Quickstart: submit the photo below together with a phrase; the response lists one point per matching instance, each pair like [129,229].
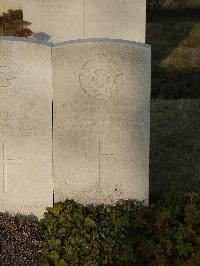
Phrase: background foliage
[12,23]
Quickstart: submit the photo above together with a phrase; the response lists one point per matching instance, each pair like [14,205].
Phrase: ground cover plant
[124,234]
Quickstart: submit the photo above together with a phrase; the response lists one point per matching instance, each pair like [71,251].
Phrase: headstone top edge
[25,40]
[79,41]
[102,40]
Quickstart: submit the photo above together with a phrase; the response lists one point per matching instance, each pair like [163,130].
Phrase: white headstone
[26,184]
[66,20]
[60,19]
[101,121]
[116,19]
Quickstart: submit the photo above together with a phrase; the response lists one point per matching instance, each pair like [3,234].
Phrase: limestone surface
[64,20]
[101,95]
[26,184]
[101,121]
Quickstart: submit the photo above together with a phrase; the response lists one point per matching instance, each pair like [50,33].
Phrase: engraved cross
[101,156]
[5,161]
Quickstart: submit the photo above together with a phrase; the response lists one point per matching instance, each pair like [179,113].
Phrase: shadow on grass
[175,84]
[175,148]
[175,14]
[167,31]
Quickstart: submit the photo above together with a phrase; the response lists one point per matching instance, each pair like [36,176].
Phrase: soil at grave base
[21,241]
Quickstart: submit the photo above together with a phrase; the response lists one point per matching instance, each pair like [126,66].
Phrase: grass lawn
[175,148]
[175,40]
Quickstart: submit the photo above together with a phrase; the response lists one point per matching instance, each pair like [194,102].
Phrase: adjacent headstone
[66,20]
[115,19]
[26,184]
[5,5]
[101,121]
[60,19]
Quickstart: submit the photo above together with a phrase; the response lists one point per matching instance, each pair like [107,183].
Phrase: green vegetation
[124,234]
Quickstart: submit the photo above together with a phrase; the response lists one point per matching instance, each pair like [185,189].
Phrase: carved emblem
[98,77]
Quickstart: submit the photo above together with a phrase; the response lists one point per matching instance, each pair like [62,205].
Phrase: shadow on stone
[41,36]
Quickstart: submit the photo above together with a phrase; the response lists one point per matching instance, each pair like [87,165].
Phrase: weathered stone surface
[25,127]
[101,121]
[116,19]
[60,19]
[66,20]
